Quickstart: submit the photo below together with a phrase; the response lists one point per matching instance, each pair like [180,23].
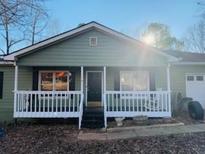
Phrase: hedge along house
[92,64]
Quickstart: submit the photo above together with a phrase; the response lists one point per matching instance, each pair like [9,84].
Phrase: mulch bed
[186,119]
[63,139]
[150,121]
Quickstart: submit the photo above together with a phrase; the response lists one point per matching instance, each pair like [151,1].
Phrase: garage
[195,87]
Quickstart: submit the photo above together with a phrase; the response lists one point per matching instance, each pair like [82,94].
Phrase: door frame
[86,86]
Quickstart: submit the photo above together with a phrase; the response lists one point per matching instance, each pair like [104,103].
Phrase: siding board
[76,51]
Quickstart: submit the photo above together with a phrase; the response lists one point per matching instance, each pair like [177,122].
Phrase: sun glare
[149,39]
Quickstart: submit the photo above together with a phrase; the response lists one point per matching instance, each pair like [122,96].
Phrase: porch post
[81,101]
[169,89]
[104,96]
[15,87]
[81,81]
[168,78]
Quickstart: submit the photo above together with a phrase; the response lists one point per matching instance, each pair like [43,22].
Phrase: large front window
[134,80]
[57,80]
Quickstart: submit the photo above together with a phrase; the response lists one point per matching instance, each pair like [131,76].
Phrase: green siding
[25,78]
[178,82]
[6,103]
[109,51]
[160,78]
[24,83]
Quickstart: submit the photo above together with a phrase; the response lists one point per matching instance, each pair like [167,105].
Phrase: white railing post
[169,89]
[104,96]
[15,87]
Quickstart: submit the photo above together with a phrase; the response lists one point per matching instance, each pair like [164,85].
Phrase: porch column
[104,96]
[104,78]
[169,89]
[81,104]
[15,87]
[81,81]
[168,78]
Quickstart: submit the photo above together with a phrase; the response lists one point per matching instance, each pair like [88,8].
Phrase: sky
[127,16]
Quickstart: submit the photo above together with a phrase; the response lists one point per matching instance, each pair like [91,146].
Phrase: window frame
[93,45]
[53,77]
[131,71]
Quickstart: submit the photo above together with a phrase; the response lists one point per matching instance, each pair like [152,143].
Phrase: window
[93,41]
[190,78]
[1,84]
[199,78]
[57,80]
[134,80]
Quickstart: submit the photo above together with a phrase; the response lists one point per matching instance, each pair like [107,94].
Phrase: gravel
[63,139]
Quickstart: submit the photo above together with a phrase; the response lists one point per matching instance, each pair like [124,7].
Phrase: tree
[14,20]
[195,37]
[38,23]
[54,28]
[158,35]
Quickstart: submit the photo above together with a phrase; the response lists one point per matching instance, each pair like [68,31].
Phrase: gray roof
[187,56]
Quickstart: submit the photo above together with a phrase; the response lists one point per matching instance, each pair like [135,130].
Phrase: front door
[94,86]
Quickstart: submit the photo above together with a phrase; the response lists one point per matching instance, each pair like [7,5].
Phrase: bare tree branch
[16,16]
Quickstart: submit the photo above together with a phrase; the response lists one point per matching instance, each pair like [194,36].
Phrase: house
[94,65]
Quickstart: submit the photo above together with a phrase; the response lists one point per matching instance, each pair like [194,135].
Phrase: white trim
[188,63]
[148,82]
[81,78]
[86,86]
[168,78]
[54,78]
[6,63]
[16,78]
[15,87]
[104,96]
[80,29]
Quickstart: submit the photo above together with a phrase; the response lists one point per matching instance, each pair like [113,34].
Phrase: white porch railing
[48,104]
[131,104]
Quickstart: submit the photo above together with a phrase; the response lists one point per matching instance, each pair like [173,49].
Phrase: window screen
[134,80]
[93,41]
[58,80]
[199,78]
[190,78]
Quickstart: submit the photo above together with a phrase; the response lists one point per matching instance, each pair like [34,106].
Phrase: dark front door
[94,86]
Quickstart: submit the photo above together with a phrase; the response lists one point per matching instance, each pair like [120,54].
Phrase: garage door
[195,88]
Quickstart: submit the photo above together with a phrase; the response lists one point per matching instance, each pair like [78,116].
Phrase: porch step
[93,117]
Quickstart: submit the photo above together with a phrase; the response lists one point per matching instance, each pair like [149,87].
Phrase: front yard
[63,139]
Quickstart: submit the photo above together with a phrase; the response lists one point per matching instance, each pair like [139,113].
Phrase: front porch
[115,101]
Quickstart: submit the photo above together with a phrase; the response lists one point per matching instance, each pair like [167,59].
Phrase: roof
[6,62]
[78,30]
[187,57]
